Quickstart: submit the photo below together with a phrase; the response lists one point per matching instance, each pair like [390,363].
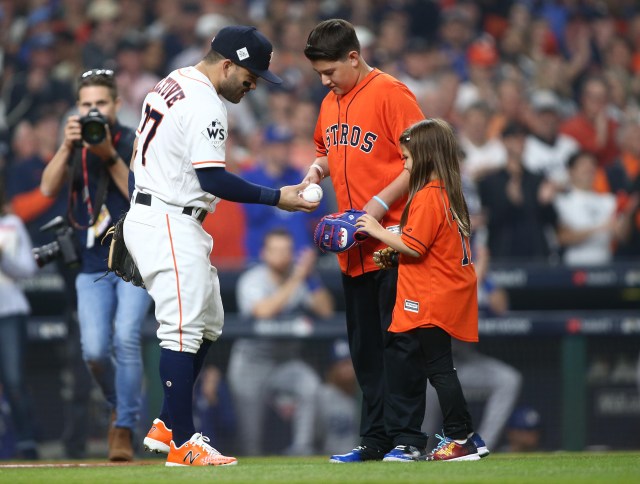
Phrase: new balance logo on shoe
[191,457]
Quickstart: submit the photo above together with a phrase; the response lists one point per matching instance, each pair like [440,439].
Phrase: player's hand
[367,223]
[292,202]
[72,132]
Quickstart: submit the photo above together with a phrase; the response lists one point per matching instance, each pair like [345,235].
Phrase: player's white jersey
[183,128]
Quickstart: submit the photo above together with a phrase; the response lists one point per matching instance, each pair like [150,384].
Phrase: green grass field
[612,467]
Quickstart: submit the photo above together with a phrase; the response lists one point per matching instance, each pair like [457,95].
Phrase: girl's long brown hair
[434,149]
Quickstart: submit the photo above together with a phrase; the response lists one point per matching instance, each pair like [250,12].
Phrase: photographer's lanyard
[101,191]
[86,197]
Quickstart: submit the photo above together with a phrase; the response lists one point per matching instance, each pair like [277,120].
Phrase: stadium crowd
[544,97]
[565,75]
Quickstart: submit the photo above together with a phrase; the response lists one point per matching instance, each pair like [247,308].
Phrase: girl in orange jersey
[436,298]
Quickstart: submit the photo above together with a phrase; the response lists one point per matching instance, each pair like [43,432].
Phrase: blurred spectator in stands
[69,54]
[133,16]
[511,107]
[483,62]
[391,40]
[23,182]
[622,104]
[337,414]
[541,40]
[633,34]
[482,155]
[273,168]
[588,222]
[552,74]
[524,430]
[546,150]
[439,101]
[303,124]
[34,90]
[456,33]
[16,264]
[206,29]
[100,48]
[214,414]
[132,80]
[618,177]
[592,127]
[518,204]
[279,295]
[603,30]
[180,33]
[418,65]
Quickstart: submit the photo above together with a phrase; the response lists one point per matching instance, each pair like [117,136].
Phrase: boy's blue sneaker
[359,454]
[405,453]
[483,451]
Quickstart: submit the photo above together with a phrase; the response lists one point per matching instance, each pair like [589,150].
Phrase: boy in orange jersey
[356,134]
[436,298]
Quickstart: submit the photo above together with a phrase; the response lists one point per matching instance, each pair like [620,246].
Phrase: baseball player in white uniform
[180,175]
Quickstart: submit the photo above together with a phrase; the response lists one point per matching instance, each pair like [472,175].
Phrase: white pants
[172,251]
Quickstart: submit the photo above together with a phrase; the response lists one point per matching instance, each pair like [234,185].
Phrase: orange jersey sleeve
[30,205]
[439,288]
[358,132]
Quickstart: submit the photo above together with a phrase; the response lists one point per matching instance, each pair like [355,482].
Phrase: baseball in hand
[312,193]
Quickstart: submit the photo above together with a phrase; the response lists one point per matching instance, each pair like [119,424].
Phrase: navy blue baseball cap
[245,46]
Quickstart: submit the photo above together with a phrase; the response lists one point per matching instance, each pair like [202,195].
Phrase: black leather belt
[145,199]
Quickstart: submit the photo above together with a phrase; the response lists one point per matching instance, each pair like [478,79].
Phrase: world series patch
[215,133]
[411,306]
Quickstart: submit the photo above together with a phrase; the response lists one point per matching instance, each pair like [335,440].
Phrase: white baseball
[312,193]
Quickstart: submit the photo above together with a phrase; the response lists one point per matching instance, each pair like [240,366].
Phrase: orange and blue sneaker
[197,452]
[449,450]
[483,450]
[158,438]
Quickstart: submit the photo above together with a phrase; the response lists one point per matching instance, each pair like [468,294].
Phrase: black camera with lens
[93,127]
[64,245]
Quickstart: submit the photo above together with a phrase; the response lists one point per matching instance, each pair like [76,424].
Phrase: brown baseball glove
[120,261]
[386,258]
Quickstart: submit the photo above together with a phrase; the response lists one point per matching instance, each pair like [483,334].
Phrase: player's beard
[233,90]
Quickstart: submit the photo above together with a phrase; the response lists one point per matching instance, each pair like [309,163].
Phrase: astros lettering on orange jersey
[349,135]
[358,132]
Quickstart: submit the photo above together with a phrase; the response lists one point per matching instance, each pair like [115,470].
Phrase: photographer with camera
[93,159]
